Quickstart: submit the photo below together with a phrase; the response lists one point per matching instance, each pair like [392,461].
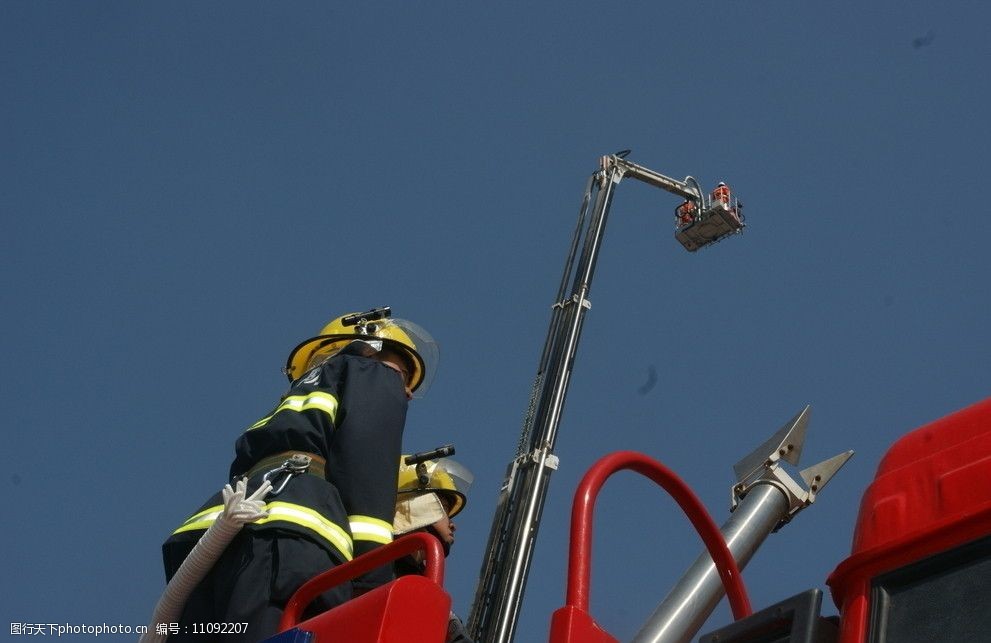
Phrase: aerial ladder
[701,220]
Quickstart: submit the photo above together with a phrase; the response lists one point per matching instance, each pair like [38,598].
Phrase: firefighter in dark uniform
[429,495]
[329,448]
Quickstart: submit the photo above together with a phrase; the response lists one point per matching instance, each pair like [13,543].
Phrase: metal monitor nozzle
[367,316]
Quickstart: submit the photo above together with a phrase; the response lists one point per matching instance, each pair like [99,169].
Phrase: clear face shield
[426,348]
[459,475]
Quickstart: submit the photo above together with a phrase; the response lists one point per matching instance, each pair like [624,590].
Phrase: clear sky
[189,189]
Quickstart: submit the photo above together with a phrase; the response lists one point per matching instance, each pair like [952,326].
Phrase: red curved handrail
[419,541]
[580,550]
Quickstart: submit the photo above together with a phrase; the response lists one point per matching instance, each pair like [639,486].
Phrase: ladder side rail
[508,499]
[500,592]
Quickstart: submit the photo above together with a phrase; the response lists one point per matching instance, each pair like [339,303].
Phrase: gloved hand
[239,509]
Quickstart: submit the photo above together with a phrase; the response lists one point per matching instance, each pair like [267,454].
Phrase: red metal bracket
[419,541]
[580,549]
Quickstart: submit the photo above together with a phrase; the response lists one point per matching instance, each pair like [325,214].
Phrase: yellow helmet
[444,477]
[376,328]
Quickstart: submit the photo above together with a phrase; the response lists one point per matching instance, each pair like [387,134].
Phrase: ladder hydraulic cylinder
[685,609]
[765,498]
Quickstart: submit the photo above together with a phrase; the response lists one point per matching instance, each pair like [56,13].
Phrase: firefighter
[329,449]
[430,495]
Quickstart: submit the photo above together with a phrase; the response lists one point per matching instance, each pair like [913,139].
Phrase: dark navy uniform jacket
[350,411]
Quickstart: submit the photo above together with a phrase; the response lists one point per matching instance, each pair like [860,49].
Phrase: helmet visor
[420,348]
[459,475]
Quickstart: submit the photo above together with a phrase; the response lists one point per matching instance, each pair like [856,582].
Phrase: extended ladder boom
[687,189]
[502,579]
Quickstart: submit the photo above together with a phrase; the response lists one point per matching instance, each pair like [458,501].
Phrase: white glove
[239,509]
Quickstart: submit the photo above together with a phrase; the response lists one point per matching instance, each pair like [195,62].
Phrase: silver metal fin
[818,475]
[785,445]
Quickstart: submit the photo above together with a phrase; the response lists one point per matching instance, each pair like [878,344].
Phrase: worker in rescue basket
[430,494]
[329,449]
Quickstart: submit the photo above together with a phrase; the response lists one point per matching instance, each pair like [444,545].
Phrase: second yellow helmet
[444,477]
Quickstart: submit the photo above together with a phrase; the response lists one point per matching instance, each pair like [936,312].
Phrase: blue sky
[188,190]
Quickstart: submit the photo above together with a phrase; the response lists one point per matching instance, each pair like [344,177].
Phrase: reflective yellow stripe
[202,520]
[287,512]
[306,517]
[373,529]
[298,403]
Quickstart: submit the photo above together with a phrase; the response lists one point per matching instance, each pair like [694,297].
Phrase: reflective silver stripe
[287,512]
[317,400]
[371,529]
